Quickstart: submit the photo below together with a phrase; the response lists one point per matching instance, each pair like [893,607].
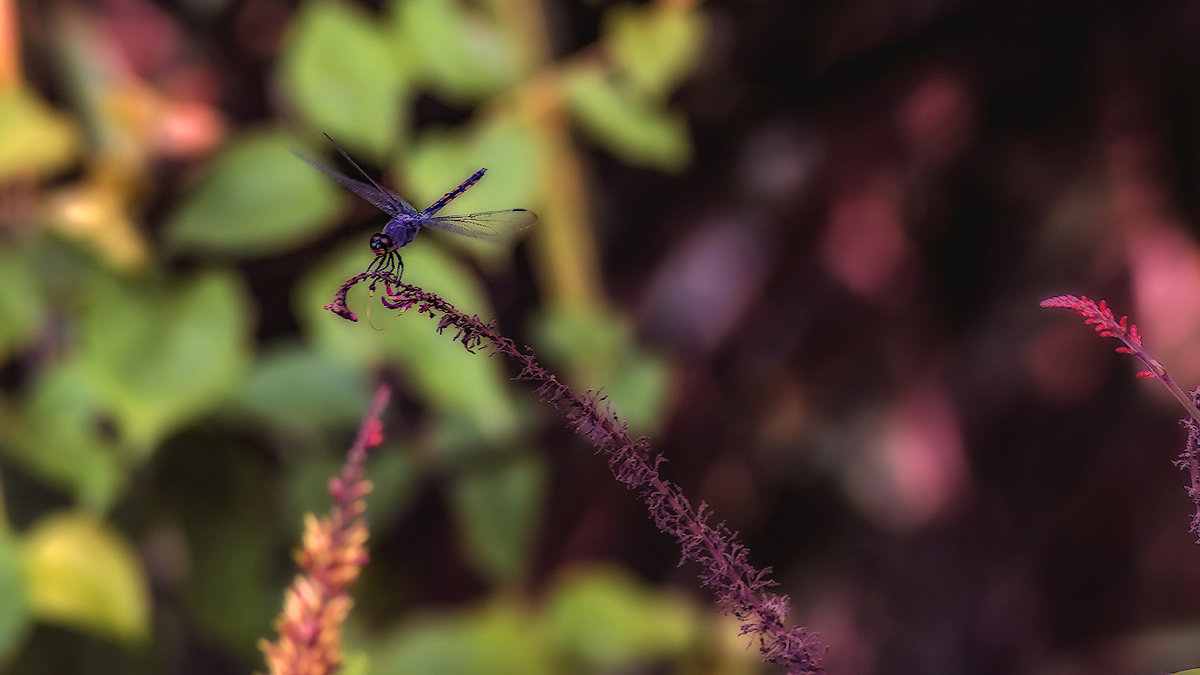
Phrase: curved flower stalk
[1100,317]
[331,557]
[740,587]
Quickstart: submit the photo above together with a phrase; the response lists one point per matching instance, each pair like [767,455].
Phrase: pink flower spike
[1100,317]
[374,434]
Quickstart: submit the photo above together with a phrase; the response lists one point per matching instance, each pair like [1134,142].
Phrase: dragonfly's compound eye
[381,243]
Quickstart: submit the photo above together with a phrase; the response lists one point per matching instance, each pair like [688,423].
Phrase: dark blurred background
[800,245]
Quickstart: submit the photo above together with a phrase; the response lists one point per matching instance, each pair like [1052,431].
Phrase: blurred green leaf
[496,640]
[627,124]
[230,595]
[82,573]
[496,505]
[65,436]
[160,357]
[294,387]
[355,663]
[342,75]
[21,304]
[606,619]
[34,138]
[658,44]
[14,608]
[462,54]
[258,198]
[602,353]
[440,161]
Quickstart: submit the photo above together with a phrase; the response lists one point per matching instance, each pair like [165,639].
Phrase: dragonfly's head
[382,244]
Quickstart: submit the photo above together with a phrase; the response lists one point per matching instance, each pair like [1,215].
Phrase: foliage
[148,407]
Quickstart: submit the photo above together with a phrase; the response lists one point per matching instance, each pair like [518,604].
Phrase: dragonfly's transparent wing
[483,225]
[385,200]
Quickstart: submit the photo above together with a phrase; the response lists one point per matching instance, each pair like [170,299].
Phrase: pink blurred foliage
[918,469]
[936,120]
[864,245]
[1164,266]
[1161,255]
[159,79]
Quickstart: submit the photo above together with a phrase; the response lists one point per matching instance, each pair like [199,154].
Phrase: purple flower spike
[740,587]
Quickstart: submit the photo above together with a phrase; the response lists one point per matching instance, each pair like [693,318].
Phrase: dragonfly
[405,221]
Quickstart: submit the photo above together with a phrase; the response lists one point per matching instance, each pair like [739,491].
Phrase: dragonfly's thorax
[400,231]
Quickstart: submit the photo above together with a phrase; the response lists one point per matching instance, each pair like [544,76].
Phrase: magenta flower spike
[1101,318]
[740,587]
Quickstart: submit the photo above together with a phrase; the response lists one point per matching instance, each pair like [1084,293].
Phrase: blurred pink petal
[864,244]
[936,121]
[918,469]
[1164,267]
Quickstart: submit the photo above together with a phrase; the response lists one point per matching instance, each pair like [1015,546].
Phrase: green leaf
[64,436]
[34,138]
[84,574]
[600,352]
[496,506]
[232,592]
[294,387]
[606,619]
[21,305]
[161,357]
[342,75]
[258,199]
[657,44]
[461,54]
[619,118]
[14,609]
[496,640]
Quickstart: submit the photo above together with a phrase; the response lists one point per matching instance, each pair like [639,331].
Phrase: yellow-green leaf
[626,122]
[84,574]
[34,138]
[608,619]
[658,44]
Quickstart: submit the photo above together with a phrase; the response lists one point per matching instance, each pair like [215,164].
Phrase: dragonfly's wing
[483,225]
[383,199]
[408,208]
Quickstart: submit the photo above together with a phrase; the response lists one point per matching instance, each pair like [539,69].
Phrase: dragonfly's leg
[400,261]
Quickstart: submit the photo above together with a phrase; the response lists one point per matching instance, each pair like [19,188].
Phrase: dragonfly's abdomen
[437,206]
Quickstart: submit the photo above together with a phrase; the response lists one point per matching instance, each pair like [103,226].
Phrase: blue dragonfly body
[405,221]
